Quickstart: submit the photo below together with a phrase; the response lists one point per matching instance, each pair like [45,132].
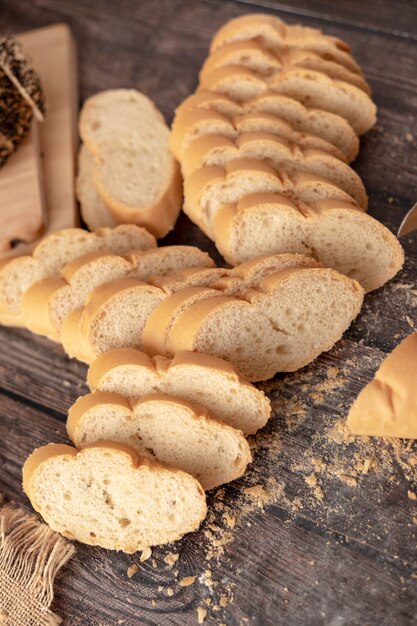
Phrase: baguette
[106,495]
[200,378]
[164,429]
[387,407]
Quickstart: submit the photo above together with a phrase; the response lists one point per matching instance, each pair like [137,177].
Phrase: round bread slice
[333,232]
[107,495]
[56,250]
[134,171]
[199,378]
[164,429]
[291,318]
[275,35]
[277,151]
[333,128]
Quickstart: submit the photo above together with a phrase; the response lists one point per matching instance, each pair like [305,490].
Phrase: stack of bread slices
[264,146]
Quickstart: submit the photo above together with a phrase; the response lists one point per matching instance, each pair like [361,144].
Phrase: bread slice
[46,304]
[209,187]
[252,55]
[333,232]
[280,153]
[52,253]
[107,495]
[206,380]
[164,429]
[309,87]
[134,171]
[291,318]
[93,209]
[275,35]
[387,406]
[331,128]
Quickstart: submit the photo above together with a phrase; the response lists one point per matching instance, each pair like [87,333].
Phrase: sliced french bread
[206,380]
[94,210]
[331,231]
[134,171]
[107,495]
[51,254]
[162,428]
[277,151]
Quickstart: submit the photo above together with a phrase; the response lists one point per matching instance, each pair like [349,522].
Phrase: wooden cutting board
[37,184]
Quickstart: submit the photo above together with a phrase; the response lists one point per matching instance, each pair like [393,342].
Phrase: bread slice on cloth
[332,231]
[278,152]
[134,172]
[94,210]
[199,378]
[55,251]
[284,324]
[275,35]
[164,429]
[46,304]
[106,495]
[387,406]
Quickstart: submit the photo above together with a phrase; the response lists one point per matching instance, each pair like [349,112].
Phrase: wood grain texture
[332,544]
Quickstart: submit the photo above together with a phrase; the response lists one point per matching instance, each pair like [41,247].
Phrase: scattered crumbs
[146,553]
[311,480]
[201,614]
[285,588]
[153,602]
[171,558]
[410,321]
[119,621]
[409,137]
[66,383]
[415,519]
[257,492]
[132,569]
[349,480]
[413,574]
[208,601]
[154,564]
[412,495]
[390,200]
[223,601]
[160,588]
[319,464]
[296,504]
[229,520]
[312,562]
[170,591]
[187,581]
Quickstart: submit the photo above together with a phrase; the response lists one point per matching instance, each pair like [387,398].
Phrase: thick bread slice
[387,406]
[291,318]
[167,260]
[93,209]
[254,56]
[309,87]
[275,35]
[50,256]
[209,187]
[330,127]
[134,171]
[115,314]
[280,153]
[107,495]
[165,429]
[333,232]
[47,303]
[207,380]
[158,326]
[192,126]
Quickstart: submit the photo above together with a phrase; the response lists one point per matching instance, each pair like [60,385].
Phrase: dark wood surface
[327,542]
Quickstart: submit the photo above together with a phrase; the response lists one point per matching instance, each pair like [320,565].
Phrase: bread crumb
[390,200]
[207,601]
[411,495]
[223,601]
[201,614]
[409,137]
[319,464]
[171,558]
[415,519]
[146,553]
[154,564]
[132,569]
[311,480]
[170,591]
[229,520]
[352,482]
[187,581]
[153,602]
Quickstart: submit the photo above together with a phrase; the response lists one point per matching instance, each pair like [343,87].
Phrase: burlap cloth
[31,555]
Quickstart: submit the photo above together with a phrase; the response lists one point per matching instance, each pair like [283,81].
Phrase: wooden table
[330,537]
